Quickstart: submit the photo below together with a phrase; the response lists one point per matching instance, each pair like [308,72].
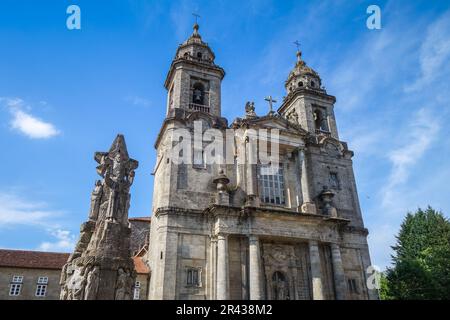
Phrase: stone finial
[221,181]
[196,27]
[326,196]
[222,196]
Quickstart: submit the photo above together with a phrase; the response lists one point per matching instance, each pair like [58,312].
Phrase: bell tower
[193,81]
[307,101]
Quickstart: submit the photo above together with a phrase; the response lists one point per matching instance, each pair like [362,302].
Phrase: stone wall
[30,278]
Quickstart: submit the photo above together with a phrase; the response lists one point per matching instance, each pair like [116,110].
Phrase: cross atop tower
[196,17]
[271,101]
[299,53]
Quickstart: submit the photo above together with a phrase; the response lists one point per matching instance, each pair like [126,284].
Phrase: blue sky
[66,94]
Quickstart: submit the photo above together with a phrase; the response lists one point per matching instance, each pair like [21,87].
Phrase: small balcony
[321,132]
[198,107]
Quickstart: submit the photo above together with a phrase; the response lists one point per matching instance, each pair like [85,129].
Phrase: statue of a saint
[96,198]
[92,281]
[250,110]
[123,285]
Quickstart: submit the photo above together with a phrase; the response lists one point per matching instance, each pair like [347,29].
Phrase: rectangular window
[193,277]
[41,290]
[334,180]
[42,280]
[137,290]
[182,178]
[136,293]
[352,286]
[14,289]
[17,279]
[271,184]
[199,161]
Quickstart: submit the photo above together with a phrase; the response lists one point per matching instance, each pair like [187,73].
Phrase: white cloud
[27,124]
[64,241]
[434,53]
[420,133]
[14,210]
[138,101]
[31,126]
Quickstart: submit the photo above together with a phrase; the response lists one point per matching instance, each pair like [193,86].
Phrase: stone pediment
[270,122]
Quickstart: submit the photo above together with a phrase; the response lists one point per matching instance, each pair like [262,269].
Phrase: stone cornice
[304,91]
[288,213]
[212,67]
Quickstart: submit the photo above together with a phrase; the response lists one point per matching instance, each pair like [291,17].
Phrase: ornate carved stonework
[101,266]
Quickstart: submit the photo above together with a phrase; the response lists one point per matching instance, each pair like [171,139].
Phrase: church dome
[195,49]
[303,77]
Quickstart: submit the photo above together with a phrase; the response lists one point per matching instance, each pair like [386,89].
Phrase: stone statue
[281,290]
[92,282]
[103,249]
[123,285]
[250,110]
[96,198]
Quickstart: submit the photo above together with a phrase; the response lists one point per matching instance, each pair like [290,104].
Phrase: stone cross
[271,102]
[196,17]
[297,44]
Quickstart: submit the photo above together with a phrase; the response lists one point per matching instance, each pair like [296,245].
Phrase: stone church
[238,231]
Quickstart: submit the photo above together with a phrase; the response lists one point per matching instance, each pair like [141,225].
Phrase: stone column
[250,169]
[255,268]
[222,267]
[338,272]
[316,272]
[212,271]
[308,205]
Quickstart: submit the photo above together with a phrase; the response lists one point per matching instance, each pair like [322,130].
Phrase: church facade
[235,230]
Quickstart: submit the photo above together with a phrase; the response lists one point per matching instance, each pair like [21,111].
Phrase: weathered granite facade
[101,267]
[219,232]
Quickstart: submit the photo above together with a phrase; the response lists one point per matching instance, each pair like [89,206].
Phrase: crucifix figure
[271,101]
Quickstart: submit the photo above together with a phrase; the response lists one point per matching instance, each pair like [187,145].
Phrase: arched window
[199,55]
[198,94]
[313,84]
[300,84]
[171,97]
[320,121]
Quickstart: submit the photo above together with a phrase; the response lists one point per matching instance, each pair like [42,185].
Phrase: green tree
[421,260]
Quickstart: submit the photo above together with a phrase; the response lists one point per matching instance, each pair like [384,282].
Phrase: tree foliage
[421,260]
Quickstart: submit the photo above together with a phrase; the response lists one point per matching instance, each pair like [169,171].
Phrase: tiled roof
[48,260]
[140,266]
[32,259]
[143,219]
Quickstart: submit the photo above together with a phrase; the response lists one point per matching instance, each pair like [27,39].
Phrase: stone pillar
[250,169]
[222,267]
[338,272]
[255,268]
[316,273]
[212,271]
[308,205]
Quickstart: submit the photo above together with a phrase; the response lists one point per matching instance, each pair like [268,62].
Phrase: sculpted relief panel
[286,272]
